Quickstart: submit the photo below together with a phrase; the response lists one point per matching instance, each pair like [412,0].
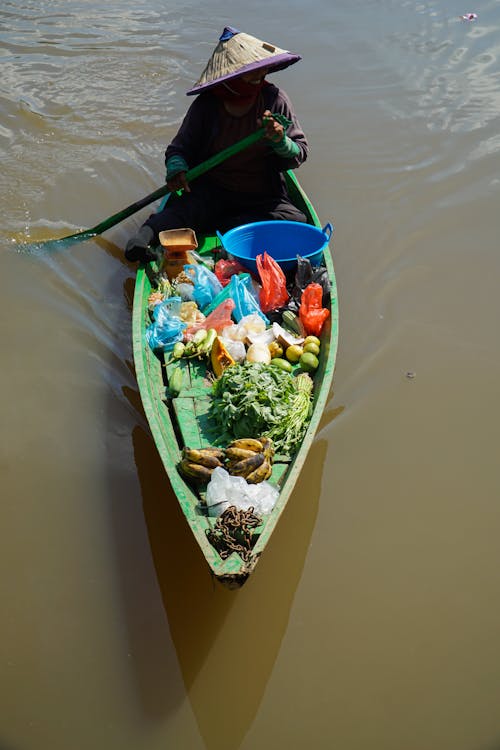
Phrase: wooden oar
[191,174]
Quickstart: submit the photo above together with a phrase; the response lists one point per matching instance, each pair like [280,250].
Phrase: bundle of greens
[289,433]
[254,400]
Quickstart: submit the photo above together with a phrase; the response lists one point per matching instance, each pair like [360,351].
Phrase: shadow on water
[150,656]
[152,659]
[5,746]
[226,642]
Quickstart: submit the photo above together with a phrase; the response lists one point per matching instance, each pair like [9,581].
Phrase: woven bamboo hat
[238,53]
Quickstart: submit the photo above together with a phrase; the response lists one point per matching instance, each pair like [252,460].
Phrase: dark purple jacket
[195,138]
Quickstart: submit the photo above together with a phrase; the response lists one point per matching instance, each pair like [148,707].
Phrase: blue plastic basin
[282,240]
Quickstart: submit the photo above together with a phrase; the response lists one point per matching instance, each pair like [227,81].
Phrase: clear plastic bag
[219,319]
[236,349]
[250,324]
[224,490]
[225,268]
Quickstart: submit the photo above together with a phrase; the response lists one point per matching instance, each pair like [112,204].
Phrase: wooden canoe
[176,422]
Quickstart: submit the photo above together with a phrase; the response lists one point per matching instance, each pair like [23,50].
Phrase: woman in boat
[234,99]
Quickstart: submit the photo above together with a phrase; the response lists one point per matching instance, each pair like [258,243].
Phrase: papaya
[220,357]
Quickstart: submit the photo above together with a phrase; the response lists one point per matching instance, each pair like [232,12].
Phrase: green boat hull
[175,422]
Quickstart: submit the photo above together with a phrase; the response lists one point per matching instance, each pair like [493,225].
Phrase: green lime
[308,362]
[283,364]
[312,347]
[312,340]
[293,353]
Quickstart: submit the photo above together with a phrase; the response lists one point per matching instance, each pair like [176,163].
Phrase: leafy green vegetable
[253,399]
[290,432]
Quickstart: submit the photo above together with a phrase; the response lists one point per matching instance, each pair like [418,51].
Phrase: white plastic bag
[236,349]
[224,490]
[250,324]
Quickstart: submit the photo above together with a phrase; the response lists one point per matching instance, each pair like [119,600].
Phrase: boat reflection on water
[226,641]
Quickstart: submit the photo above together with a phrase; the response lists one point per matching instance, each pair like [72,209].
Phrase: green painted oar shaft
[191,174]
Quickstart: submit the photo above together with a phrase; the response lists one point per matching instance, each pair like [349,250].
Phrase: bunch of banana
[198,464]
[250,458]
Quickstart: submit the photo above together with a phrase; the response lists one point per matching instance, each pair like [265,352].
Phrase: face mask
[239,90]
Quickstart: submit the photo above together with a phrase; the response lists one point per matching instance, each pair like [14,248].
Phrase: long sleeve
[188,143]
[294,149]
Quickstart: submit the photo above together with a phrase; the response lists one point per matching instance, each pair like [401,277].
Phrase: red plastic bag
[219,319]
[273,294]
[311,312]
[224,269]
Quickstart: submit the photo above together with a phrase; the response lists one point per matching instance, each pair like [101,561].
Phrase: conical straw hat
[238,53]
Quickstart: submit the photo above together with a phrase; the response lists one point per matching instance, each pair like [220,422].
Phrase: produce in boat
[220,357]
[233,434]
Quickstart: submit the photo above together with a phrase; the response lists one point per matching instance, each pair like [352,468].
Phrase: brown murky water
[373,618]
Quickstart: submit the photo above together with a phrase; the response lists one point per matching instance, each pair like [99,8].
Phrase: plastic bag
[224,490]
[305,274]
[167,327]
[236,349]
[273,294]
[206,283]
[225,293]
[311,312]
[241,291]
[225,268]
[219,319]
[185,291]
[190,313]
[252,323]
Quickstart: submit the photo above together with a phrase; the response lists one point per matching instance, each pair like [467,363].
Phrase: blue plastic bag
[245,302]
[206,283]
[167,327]
[224,294]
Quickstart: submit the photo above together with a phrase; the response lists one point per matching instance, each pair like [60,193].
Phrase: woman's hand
[178,182]
[274,131]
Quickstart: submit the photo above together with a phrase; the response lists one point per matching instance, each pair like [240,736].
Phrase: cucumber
[283,364]
[176,381]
